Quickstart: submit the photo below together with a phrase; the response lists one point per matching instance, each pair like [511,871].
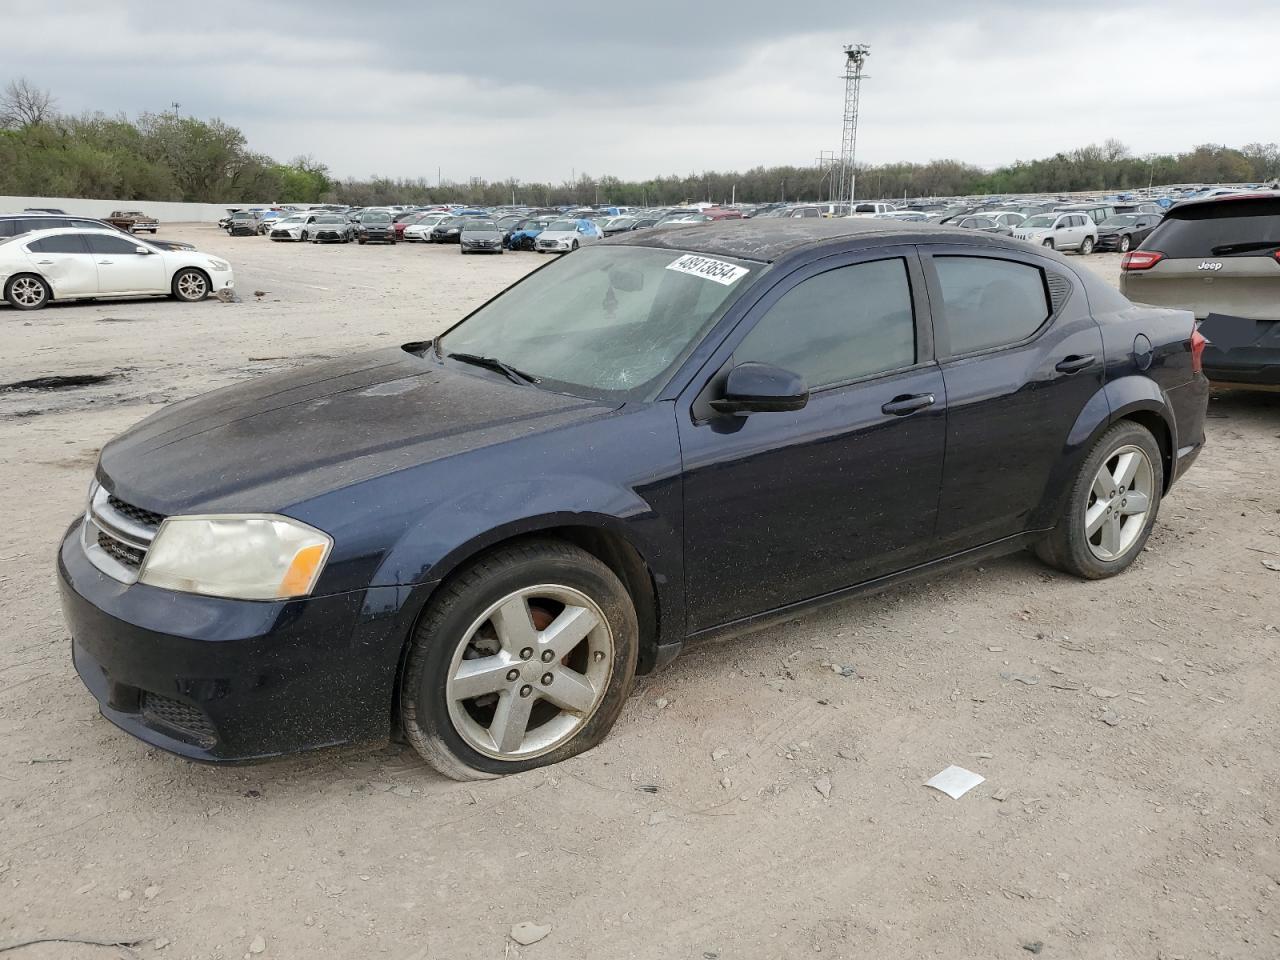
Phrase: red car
[715,213]
[404,221]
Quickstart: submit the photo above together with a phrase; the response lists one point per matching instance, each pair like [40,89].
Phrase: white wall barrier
[164,211]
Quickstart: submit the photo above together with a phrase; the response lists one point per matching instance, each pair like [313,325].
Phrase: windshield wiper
[493,363]
[1227,249]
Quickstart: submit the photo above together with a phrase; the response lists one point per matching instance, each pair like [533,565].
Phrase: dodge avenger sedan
[480,540]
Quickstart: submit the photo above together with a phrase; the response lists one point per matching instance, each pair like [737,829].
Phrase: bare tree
[24,105]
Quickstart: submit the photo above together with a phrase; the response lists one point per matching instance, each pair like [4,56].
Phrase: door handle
[44,263]
[106,261]
[1074,363]
[907,404]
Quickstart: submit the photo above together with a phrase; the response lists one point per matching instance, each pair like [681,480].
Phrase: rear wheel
[524,659]
[27,292]
[1112,506]
[1125,243]
[1086,246]
[190,285]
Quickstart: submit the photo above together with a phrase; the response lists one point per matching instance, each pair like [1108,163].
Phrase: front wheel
[1086,246]
[190,285]
[305,236]
[27,292]
[574,246]
[1049,244]
[1125,244]
[1112,506]
[522,660]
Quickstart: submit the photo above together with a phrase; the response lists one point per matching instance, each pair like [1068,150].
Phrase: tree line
[165,156]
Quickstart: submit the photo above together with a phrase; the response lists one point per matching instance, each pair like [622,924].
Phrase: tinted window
[1250,228]
[100,243]
[61,243]
[989,302]
[846,323]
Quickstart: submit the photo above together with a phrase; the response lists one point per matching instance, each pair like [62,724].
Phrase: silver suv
[1059,231]
[1220,259]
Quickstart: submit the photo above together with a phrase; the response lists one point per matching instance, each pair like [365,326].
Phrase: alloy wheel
[1119,502]
[27,292]
[530,672]
[192,286]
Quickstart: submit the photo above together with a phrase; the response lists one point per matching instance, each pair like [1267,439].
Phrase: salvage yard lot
[761,798]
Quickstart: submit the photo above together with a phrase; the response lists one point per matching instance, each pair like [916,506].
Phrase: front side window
[611,322]
[101,243]
[840,325]
[990,303]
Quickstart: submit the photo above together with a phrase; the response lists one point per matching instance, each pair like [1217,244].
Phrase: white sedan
[70,264]
[421,229]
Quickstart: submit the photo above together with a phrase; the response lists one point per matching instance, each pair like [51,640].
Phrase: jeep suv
[1220,258]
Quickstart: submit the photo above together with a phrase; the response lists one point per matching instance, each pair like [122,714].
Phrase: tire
[361,241]
[1049,243]
[574,246]
[1125,243]
[452,735]
[1086,246]
[190,285]
[27,291]
[1070,547]
[306,237]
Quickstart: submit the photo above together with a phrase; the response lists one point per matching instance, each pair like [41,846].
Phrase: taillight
[1198,343]
[1140,260]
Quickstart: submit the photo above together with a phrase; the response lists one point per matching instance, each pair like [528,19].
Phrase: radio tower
[855,56]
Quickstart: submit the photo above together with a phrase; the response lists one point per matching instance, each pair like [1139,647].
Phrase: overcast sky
[504,89]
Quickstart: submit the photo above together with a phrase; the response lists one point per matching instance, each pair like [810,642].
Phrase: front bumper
[1107,242]
[215,680]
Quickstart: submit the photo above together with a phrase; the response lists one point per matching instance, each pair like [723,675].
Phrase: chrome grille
[117,534]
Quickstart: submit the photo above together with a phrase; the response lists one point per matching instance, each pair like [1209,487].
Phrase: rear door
[122,270]
[65,262]
[1021,355]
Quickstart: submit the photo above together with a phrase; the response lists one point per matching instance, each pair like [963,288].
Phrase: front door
[64,261]
[783,507]
[121,269]
[1020,362]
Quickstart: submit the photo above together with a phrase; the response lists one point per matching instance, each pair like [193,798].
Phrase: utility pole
[855,57]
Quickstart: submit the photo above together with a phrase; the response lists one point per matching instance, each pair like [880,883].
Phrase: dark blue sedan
[480,540]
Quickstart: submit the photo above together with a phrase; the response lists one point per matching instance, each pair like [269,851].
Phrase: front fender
[455,529]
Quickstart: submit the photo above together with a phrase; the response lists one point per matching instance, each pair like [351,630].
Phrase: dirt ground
[750,803]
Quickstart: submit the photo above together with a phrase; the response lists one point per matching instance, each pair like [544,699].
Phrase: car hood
[283,438]
[557,234]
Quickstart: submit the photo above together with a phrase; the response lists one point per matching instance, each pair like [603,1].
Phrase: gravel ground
[750,803]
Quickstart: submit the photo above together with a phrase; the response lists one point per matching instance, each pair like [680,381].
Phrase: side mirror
[144,251]
[761,388]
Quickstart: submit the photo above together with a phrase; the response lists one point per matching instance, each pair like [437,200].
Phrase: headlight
[248,557]
[219,265]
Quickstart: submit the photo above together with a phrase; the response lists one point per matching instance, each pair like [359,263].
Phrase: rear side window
[60,243]
[847,323]
[990,303]
[1250,228]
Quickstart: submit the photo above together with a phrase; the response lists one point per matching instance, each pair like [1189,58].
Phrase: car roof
[772,238]
[52,231]
[1225,199]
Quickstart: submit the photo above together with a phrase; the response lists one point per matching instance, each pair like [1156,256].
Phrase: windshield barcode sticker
[708,269]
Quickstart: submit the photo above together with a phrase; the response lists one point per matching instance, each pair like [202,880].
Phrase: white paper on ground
[955,781]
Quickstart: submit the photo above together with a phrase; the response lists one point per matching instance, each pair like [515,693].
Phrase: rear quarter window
[1218,230]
